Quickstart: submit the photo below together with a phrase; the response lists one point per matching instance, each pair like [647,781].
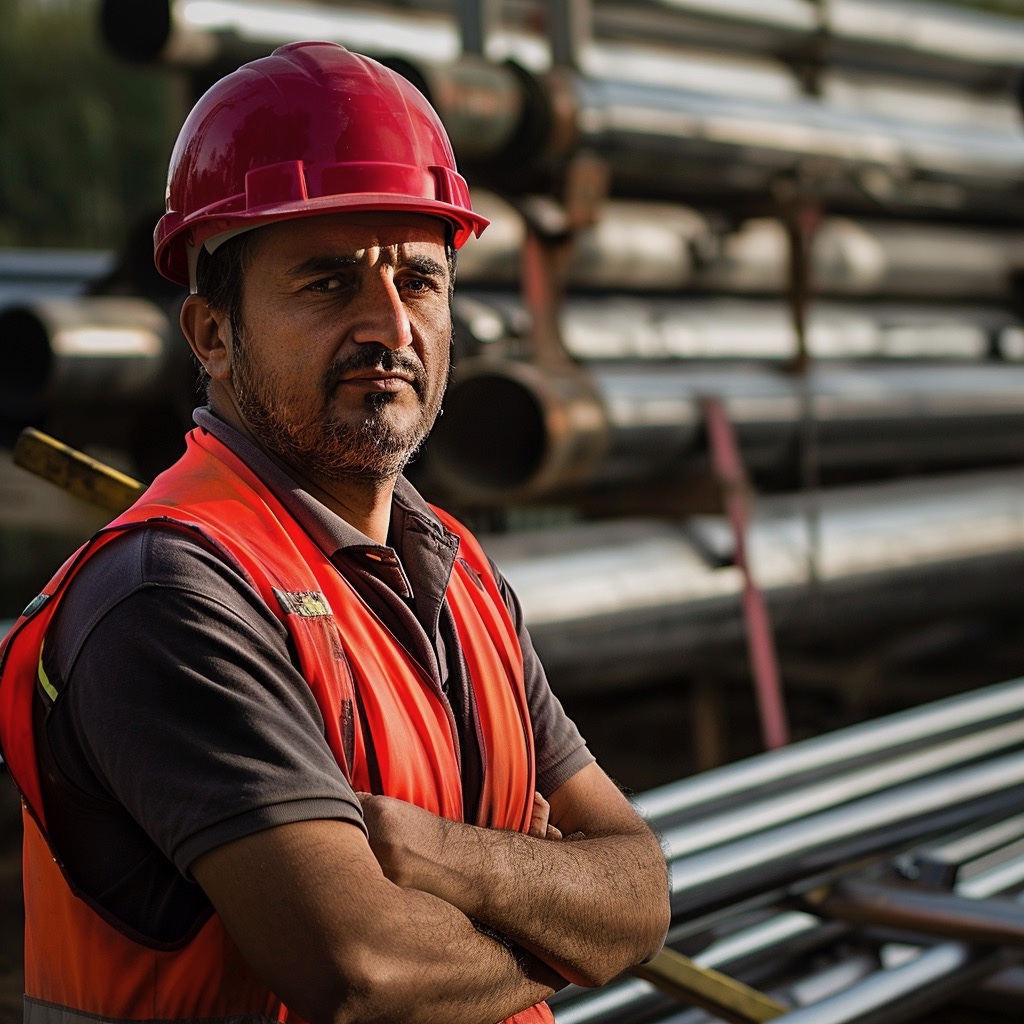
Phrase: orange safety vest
[388,728]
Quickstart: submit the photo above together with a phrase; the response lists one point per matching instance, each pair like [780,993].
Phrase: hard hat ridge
[313,128]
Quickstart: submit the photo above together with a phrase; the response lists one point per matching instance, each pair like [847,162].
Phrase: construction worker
[284,745]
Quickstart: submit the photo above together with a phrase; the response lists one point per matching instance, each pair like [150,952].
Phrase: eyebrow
[332,264]
[322,265]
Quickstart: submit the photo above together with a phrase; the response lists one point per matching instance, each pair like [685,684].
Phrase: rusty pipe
[514,429]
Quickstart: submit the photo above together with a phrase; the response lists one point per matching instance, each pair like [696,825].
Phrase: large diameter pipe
[610,603]
[554,429]
[80,351]
[671,139]
[512,431]
[978,49]
[672,248]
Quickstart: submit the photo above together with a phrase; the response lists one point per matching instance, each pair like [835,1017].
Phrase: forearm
[582,905]
[351,945]
[432,965]
[589,907]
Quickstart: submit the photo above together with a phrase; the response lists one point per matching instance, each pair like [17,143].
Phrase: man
[280,724]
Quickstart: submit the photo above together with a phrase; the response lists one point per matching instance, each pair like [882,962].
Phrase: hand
[540,825]
[404,838]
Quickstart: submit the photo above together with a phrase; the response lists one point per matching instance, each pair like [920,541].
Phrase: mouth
[378,380]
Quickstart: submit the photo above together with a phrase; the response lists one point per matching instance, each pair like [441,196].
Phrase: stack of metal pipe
[662,153]
[713,135]
[870,874]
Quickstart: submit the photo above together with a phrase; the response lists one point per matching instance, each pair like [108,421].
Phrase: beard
[321,444]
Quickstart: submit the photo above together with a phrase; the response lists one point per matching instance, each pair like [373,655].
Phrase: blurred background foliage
[84,138]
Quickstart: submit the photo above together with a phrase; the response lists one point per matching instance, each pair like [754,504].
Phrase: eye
[419,285]
[326,284]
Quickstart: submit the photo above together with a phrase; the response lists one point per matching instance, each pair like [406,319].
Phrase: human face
[345,338]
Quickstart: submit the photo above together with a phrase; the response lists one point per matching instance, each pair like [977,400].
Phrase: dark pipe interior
[28,359]
[136,30]
[492,434]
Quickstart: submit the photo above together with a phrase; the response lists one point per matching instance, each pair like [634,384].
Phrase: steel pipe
[865,416]
[608,603]
[663,141]
[658,135]
[668,247]
[884,822]
[752,817]
[814,760]
[977,49]
[75,351]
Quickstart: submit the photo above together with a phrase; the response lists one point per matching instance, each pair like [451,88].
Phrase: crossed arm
[390,935]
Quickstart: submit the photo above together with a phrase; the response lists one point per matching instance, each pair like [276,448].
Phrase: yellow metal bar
[75,472]
[678,976]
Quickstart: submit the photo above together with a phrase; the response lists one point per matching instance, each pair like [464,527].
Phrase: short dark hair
[220,274]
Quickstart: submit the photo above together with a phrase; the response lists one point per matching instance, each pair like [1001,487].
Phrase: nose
[383,317]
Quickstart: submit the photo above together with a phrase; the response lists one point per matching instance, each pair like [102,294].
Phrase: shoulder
[157,568]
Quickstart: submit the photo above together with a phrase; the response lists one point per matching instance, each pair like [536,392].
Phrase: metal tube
[870,826]
[656,138]
[596,594]
[866,416]
[989,922]
[808,760]
[664,141]
[73,351]
[978,49]
[768,811]
[672,248]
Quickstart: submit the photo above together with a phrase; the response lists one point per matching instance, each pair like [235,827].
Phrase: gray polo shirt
[182,721]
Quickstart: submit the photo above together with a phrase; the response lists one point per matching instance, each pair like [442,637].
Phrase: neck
[361,502]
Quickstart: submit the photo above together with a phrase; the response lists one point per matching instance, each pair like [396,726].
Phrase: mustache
[372,355]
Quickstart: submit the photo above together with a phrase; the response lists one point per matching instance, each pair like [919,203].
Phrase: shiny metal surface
[869,826]
[711,830]
[704,143]
[608,601]
[653,247]
[66,351]
[938,39]
[813,759]
[843,980]
[656,130]
[866,415]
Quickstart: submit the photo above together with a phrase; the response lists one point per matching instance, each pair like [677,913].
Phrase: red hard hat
[311,129]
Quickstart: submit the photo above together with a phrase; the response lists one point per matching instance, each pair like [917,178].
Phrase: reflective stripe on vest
[388,727]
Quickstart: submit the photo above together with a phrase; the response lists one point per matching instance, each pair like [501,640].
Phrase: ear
[208,332]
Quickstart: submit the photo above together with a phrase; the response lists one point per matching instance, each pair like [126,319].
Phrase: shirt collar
[329,531]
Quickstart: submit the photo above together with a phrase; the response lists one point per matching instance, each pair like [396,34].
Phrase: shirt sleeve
[180,702]
[561,750]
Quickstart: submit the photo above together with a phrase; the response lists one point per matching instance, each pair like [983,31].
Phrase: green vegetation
[84,139]
[1002,6]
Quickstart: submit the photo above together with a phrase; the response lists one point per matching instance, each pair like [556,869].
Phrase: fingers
[540,826]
